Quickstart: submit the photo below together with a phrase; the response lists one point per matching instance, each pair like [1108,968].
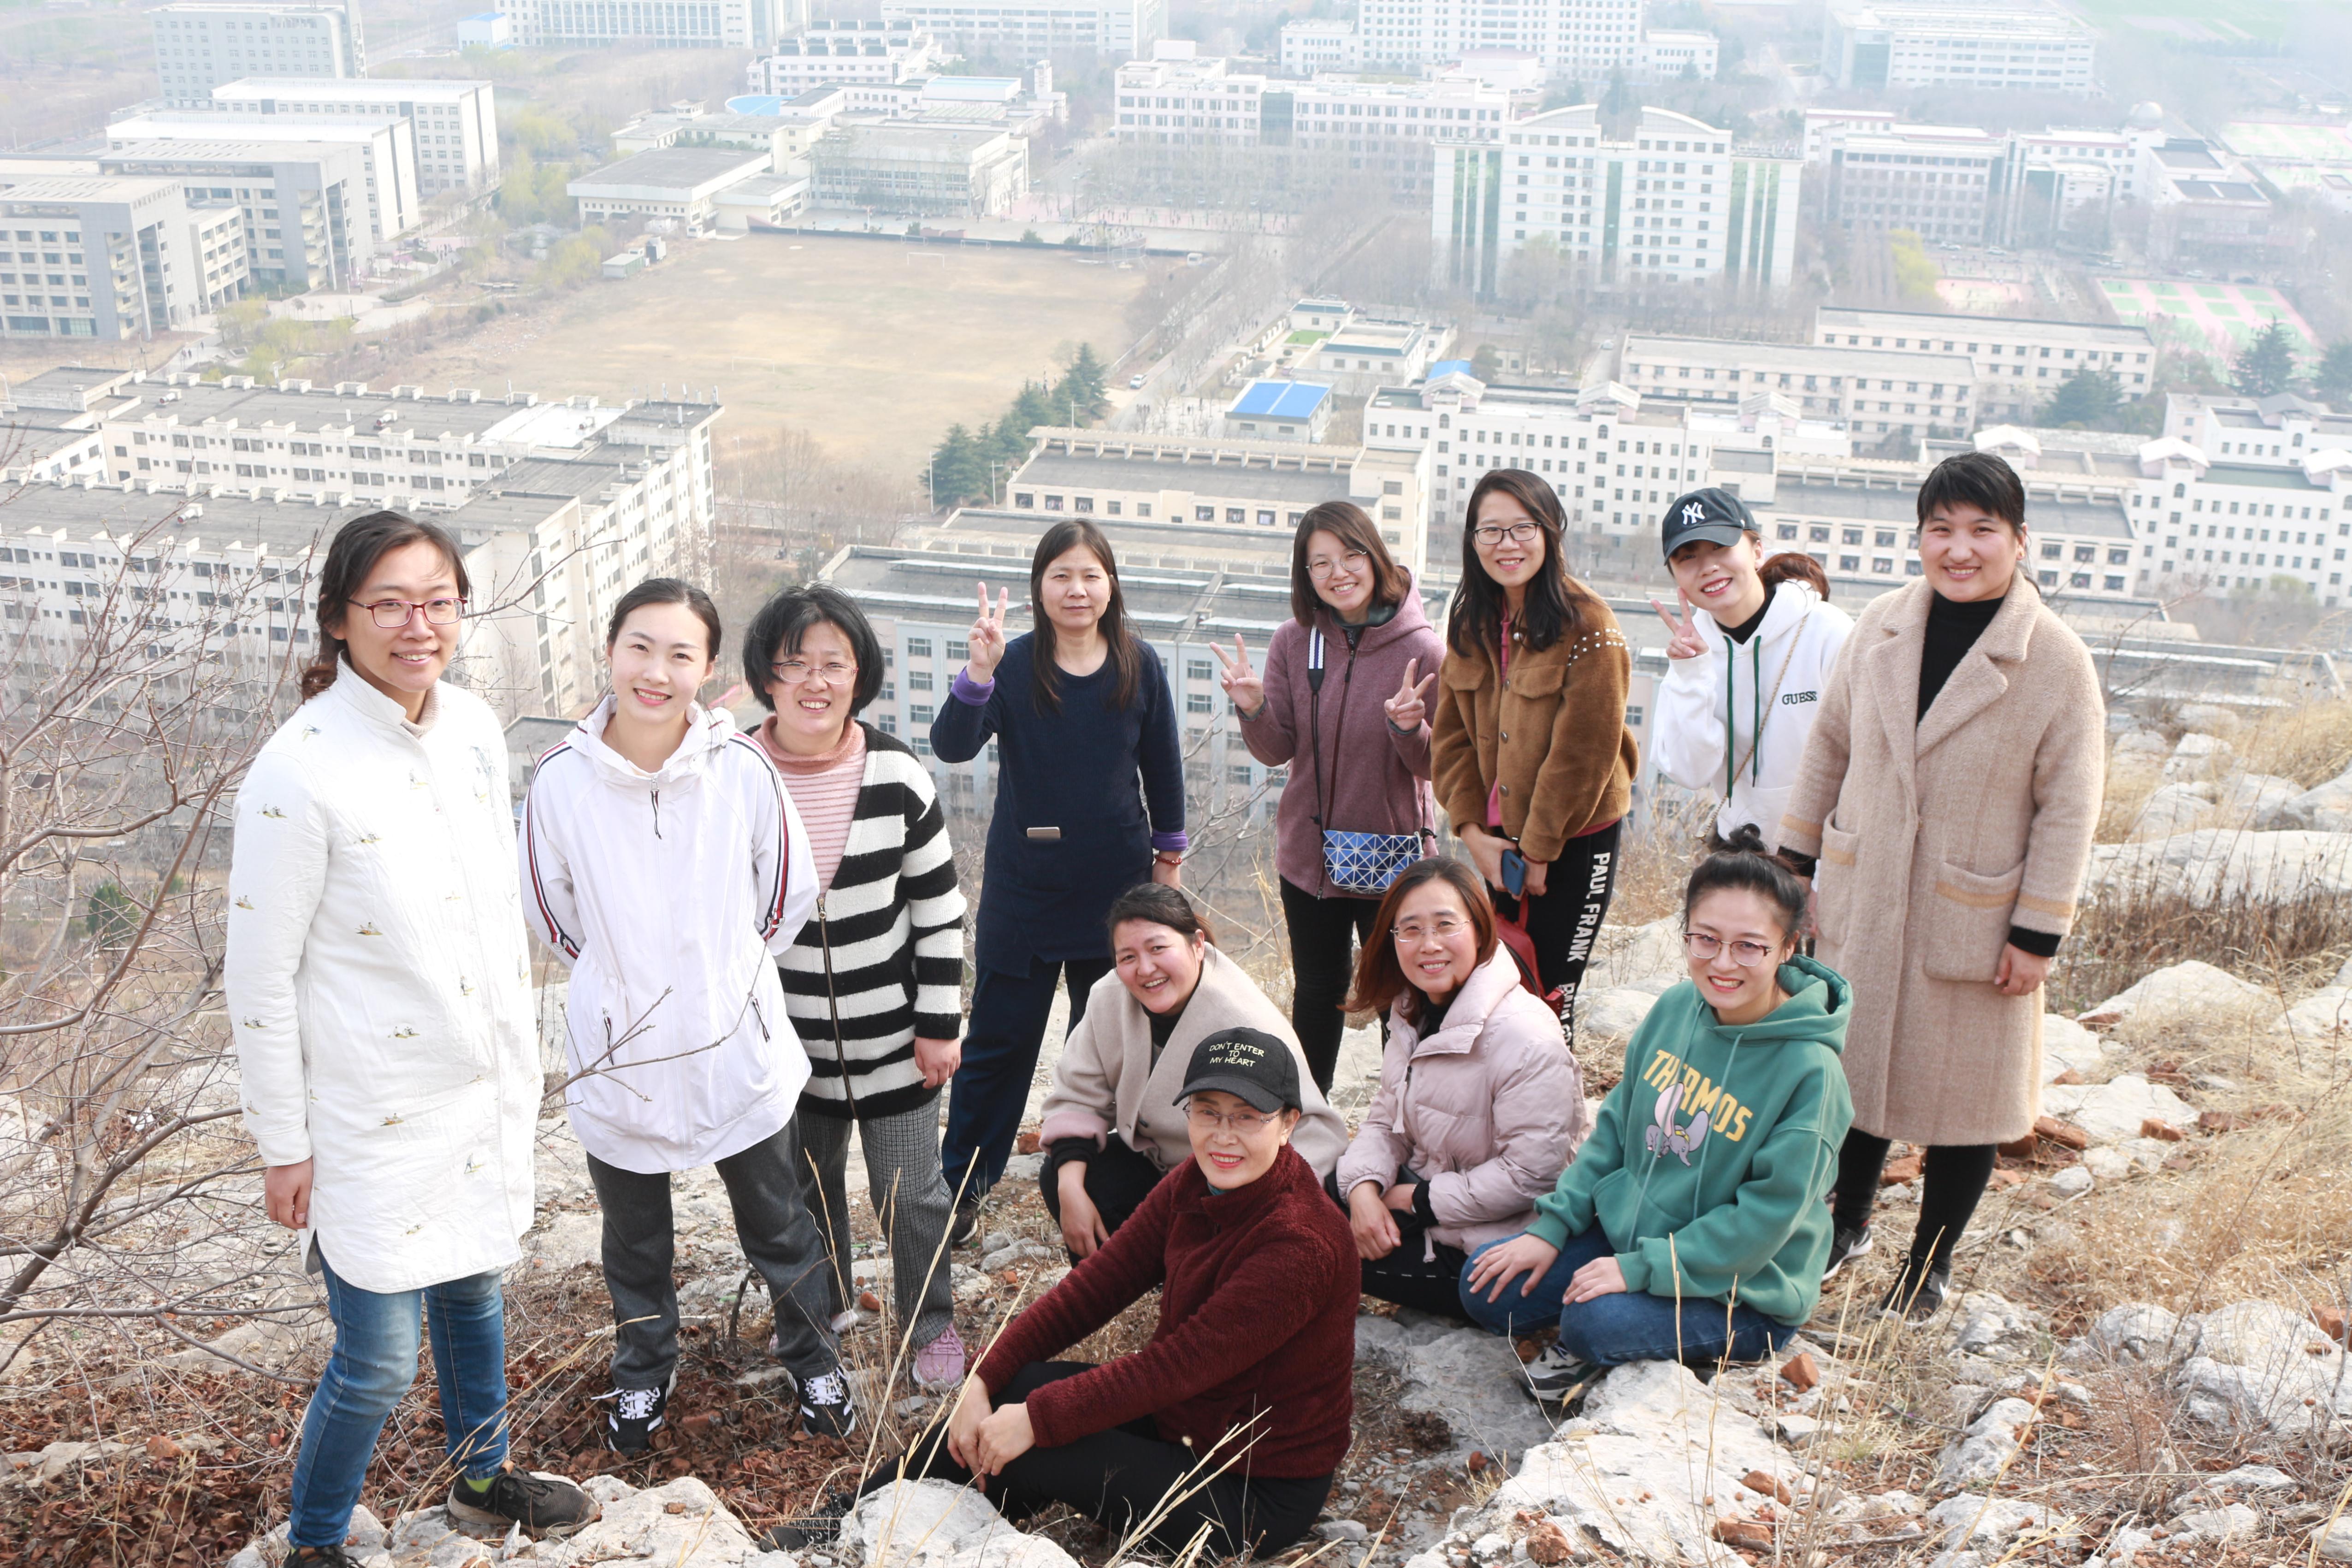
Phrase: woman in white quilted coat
[380,997]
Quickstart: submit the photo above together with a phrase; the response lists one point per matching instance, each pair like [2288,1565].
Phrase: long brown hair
[1795,566]
[1126,657]
[1347,522]
[1476,621]
[357,547]
[1380,978]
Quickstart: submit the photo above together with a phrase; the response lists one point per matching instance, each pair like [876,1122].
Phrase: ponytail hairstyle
[665,591]
[1744,864]
[1161,905]
[357,546]
[1475,620]
[1126,657]
[1795,566]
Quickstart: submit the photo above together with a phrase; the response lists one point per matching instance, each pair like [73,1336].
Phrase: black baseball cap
[1249,1064]
[1713,514]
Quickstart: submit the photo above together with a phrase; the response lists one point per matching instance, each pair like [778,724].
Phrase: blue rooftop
[756,103]
[1281,399]
[1452,367]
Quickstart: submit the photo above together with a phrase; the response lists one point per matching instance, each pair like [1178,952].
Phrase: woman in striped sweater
[873,984]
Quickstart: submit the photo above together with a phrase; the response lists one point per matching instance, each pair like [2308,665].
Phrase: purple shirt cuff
[969,692]
[1168,843]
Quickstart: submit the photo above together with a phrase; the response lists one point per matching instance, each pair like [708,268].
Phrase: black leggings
[1433,1286]
[1321,932]
[1117,1180]
[1563,921]
[1117,1478]
[1952,1177]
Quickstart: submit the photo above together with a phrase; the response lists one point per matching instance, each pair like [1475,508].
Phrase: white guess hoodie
[1710,708]
[671,894]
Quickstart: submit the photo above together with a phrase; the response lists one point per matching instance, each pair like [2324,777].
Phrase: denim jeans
[1629,1326]
[373,1362]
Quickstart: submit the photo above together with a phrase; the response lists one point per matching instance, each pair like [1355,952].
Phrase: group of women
[764,931]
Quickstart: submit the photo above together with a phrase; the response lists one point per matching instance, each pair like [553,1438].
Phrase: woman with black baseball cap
[1746,661]
[1238,1411]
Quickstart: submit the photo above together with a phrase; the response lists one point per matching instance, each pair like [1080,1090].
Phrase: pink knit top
[825,790]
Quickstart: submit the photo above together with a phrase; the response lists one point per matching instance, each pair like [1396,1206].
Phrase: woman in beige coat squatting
[1950,790]
[1112,1125]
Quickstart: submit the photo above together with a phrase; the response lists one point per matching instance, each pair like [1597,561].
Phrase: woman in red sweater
[1243,1399]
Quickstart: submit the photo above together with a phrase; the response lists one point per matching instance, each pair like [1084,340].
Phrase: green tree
[1485,364]
[958,470]
[1082,388]
[1915,274]
[2086,400]
[2333,379]
[1034,406]
[2266,366]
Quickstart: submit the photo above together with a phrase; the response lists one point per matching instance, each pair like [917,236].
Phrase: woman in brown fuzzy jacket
[1529,753]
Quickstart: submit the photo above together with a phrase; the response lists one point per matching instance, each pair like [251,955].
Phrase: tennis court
[2225,315]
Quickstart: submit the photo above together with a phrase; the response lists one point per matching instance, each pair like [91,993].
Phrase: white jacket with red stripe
[671,895]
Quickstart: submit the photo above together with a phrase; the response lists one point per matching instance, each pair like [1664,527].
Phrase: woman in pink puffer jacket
[1480,1106]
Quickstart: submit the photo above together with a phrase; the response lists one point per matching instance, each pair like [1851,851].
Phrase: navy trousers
[1001,1040]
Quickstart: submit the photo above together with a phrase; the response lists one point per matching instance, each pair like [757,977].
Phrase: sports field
[2224,314]
[2194,21]
[2295,143]
[874,347]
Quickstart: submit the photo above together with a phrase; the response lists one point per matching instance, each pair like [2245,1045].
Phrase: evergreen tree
[1083,387]
[1036,405]
[2086,400]
[2267,365]
[958,470]
[2333,379]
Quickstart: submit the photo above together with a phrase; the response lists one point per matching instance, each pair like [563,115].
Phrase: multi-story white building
[1119,29]
[1672,202]
[455,123]
[849,54]
[1179,95]
[91,256]
[1397,127]
[655,24]
[387,146]
[1319,43]
[309,219]
[1583,40]
[2026,45]
[680,183]
[1668,55]
[1875,392]
[559,508]
[200,44]
[1938,183]
[919,169]
[2205,204]
[2019,363]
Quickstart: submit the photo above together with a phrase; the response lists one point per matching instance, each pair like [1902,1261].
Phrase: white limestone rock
[1638,955]
[2172,808]
[2332,1540]
[2327,808]
[1469,1378]
[2067,1047]
[2212,864]
[2198,757]
[2322,1018]
[2183,993]
[1987,1447]
[934,1524]
[1969,1520]
[2231,1522]
[1990,1325]
[2113,1112]
[2262,1368]
[679,1524]
[1615,1013]
[2254,800]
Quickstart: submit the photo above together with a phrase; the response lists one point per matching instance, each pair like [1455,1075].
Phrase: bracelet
[1168,857]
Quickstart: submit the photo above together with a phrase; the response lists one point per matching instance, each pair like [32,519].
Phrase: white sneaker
[1556,1377]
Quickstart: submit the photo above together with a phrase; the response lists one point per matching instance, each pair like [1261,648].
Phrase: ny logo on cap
[1694,514]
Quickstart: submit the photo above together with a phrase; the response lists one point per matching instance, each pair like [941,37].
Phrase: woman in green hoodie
[1692,1226]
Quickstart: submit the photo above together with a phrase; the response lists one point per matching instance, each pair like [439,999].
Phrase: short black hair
[783,620]
[1979,479]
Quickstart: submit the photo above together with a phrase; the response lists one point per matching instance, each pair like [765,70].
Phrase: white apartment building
[1118,29]
[1180,96]
[561,505]
[1319,43]
[849,54]
[1585,40]
[1875,392]
[200,44]
[2019,362]
[455,123]
[308,215]
[919,169]
[2025,45]
[387,146]
[108,257]
[1668,55]
[1936,181]
[1674,203]
[2205,204]
[655,24]
[1398,128]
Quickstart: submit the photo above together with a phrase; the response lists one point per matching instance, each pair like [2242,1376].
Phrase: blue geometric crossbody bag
[1353,862]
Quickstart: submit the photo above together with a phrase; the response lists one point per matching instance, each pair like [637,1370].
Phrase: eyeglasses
[1352,562]
[1702,947]
[1488,533]
[391,614]
[1412,931]
[799,671]
[1245,1122]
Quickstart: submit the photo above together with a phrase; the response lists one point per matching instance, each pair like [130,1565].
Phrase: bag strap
[1764,714]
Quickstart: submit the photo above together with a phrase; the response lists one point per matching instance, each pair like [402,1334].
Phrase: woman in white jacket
[1746,661]
[666,865]
[379,994]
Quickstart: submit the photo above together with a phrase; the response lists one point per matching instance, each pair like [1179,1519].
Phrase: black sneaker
[966,1222]
[1844,1247]
[634,1415]
[1916,1296]
[820,1526]
[335,1556]
[825,1405]
[1555,1377]
[547,1505]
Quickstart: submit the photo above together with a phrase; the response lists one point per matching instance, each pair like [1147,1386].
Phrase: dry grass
[2308,743]
[2128,786]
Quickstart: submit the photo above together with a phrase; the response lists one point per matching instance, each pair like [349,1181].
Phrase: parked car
[1135,383]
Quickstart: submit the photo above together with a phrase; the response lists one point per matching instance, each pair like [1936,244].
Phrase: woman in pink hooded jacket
[1480,1106]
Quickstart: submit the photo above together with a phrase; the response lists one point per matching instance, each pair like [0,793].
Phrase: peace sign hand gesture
[1407,708]
[1683,638]
[1245,685]
[987,636]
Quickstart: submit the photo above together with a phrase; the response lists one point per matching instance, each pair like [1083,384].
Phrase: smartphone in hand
[1515,873]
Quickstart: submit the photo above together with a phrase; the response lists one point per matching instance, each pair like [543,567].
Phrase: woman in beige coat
[1950,790]
[1112,1125]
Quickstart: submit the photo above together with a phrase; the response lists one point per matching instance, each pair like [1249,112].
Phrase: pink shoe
[940,1364]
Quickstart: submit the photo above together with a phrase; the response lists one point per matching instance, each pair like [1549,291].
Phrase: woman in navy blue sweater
[1086,731]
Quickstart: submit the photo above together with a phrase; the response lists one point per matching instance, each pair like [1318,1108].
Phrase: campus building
[1398,128]
[680,183]
[113,257]
[1115,29]
[201,44]
[920,168]
[1671,203]
[847,54]
[1582,40]
[1319,43]
[1180,96]
[455,123]
[2021,44]
[1936,181]
[654,24]
[2019,362]
[306,208]
[1915,392]
[386,148]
